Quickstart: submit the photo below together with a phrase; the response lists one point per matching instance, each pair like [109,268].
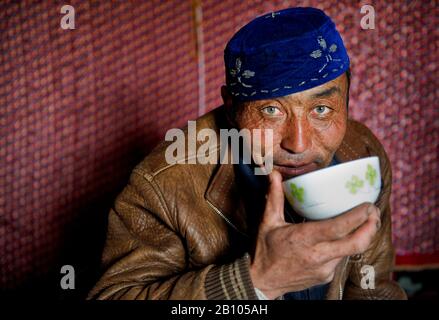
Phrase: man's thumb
[274,207]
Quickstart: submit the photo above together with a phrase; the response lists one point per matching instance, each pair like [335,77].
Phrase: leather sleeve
[145,256]
[381,253]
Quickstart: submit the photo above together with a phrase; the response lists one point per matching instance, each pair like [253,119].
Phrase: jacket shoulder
[156,163]
[363,141]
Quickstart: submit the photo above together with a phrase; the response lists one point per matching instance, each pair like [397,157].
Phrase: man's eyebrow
[326,92]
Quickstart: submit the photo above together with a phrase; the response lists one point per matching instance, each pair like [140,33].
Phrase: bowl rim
[307,175]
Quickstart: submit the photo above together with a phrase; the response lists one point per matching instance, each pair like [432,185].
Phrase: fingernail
[379,211]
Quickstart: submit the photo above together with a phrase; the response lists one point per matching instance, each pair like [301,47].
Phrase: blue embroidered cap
[284,52]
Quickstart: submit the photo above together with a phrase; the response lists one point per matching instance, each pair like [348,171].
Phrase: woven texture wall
[79,108]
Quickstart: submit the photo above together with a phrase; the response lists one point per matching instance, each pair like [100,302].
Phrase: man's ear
[228,105]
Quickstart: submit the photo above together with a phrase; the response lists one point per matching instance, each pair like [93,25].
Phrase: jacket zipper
[222,216]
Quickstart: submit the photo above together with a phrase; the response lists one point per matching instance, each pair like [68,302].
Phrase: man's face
[308,126]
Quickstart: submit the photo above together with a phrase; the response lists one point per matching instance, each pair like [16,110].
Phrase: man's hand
[293,257]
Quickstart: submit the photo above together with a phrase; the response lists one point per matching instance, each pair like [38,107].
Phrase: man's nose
[298,137]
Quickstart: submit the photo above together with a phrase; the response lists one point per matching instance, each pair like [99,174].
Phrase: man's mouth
[289,171]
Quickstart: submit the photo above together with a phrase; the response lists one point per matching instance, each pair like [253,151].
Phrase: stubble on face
[308,126]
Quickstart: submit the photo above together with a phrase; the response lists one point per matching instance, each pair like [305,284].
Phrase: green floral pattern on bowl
[371,175]
[326,194]
[297,192]
[354,184]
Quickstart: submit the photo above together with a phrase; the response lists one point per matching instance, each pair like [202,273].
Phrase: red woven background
[79,108]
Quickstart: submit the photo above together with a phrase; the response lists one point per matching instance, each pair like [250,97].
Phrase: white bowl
[329,192]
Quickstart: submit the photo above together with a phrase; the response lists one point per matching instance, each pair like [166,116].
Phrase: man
[218,231]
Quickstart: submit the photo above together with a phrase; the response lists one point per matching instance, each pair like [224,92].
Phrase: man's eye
[322,110]
[272,111]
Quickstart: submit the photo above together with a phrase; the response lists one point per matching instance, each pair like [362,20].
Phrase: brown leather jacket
[180,231]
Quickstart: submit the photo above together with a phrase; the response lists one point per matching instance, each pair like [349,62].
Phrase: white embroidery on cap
[247,74]
[236,73]
[324,49]
[272,15]
[316,54]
